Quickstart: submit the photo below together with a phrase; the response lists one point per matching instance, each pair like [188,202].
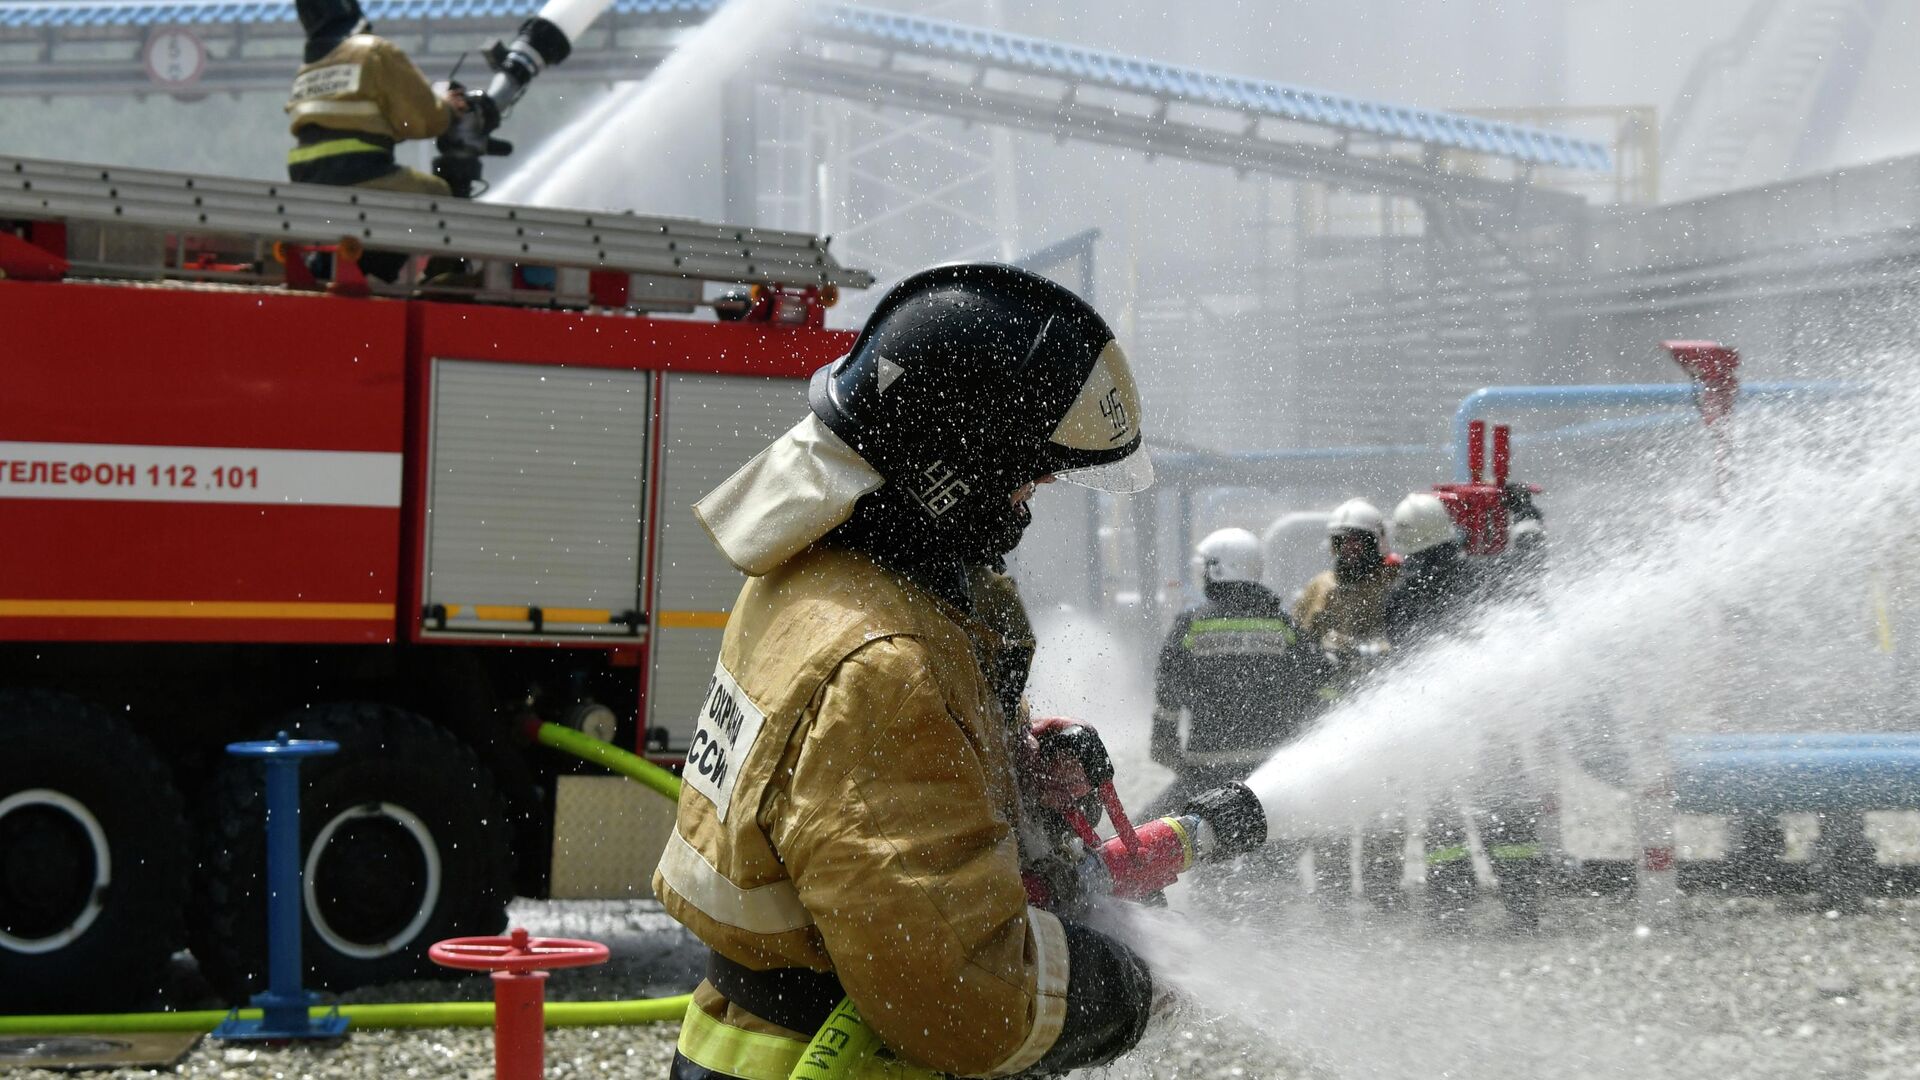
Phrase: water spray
[543,41]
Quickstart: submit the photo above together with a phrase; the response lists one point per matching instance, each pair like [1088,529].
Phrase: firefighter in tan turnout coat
[355,96]
[851,817]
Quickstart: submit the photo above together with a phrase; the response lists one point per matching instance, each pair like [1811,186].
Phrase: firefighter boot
[1449,873]
[1520,889]
[1332,873]
[1383,869]
[1450,887]
[1519,862]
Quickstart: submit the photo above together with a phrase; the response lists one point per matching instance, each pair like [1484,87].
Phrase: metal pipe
[1756,741]
[1565,397]
[1782,780]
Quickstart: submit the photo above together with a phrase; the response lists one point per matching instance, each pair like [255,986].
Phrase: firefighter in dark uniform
[1238,669]
[1438,589]
[853,829]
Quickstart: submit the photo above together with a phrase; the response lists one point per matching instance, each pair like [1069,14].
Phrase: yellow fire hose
[838,1048]
[440,1014]
[444,1014]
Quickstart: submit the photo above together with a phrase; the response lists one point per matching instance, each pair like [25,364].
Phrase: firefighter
[1342,608]
[355,96]
[1238,668]
[1436,584]
[1342,613]
[850,823]
[1436,592]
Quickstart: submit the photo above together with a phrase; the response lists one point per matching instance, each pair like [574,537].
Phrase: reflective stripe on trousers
[711,1050]
[300,155]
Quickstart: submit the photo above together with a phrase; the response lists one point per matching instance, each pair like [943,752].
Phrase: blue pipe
[1565,397]
[1775,781]
[1762,742]
[1181,459]
[1607,429]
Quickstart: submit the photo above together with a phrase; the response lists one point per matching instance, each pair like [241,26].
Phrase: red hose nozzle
[1161,851]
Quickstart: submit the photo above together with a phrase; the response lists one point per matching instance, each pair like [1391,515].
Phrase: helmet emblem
[1114,408]
[940,489]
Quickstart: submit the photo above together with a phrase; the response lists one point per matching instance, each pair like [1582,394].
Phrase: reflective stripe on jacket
[850,806]
[1241,672]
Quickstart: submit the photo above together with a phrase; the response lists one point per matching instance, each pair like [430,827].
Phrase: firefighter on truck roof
[355,96]
[851,827]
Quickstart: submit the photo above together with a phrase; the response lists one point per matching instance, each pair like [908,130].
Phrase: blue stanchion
[285,1006]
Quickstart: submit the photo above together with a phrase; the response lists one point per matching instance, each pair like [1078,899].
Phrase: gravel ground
[1727,987]
[1754,988]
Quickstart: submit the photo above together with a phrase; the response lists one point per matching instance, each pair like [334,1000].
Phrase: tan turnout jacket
[850,805]
[367,85]
[1356,611]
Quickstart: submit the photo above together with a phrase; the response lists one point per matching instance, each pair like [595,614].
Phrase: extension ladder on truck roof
[133,223]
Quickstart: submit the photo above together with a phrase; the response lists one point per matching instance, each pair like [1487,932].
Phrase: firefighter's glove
[1054,765]
[1110,997]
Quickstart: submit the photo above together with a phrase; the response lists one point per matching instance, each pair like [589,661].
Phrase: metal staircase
[1768,100]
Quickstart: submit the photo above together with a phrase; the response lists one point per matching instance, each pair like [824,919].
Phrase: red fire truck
[234,506]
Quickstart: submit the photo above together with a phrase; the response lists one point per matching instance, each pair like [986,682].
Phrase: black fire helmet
[328,23]
[973,379]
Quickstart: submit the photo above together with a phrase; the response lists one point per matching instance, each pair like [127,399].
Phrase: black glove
[1109,1000]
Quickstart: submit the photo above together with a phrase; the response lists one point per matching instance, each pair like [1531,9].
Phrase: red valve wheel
[518,952]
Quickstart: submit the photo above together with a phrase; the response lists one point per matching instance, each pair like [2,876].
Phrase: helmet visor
[1125,476]
[1097,444]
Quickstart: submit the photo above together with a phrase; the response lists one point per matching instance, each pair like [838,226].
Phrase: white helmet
[1358,515]
[1229,555]
[1420,522]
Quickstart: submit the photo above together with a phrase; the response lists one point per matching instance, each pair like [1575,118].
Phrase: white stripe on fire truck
[198,474]
[191,609]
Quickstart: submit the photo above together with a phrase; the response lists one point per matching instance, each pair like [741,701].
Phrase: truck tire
[93,859]
[404,842]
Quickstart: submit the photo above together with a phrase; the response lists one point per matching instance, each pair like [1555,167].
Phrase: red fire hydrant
[519,965]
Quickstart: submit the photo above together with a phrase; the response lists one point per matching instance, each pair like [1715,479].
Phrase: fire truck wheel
[404,842]
[93,859]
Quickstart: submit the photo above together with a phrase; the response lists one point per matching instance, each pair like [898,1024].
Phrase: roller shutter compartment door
[536,496]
